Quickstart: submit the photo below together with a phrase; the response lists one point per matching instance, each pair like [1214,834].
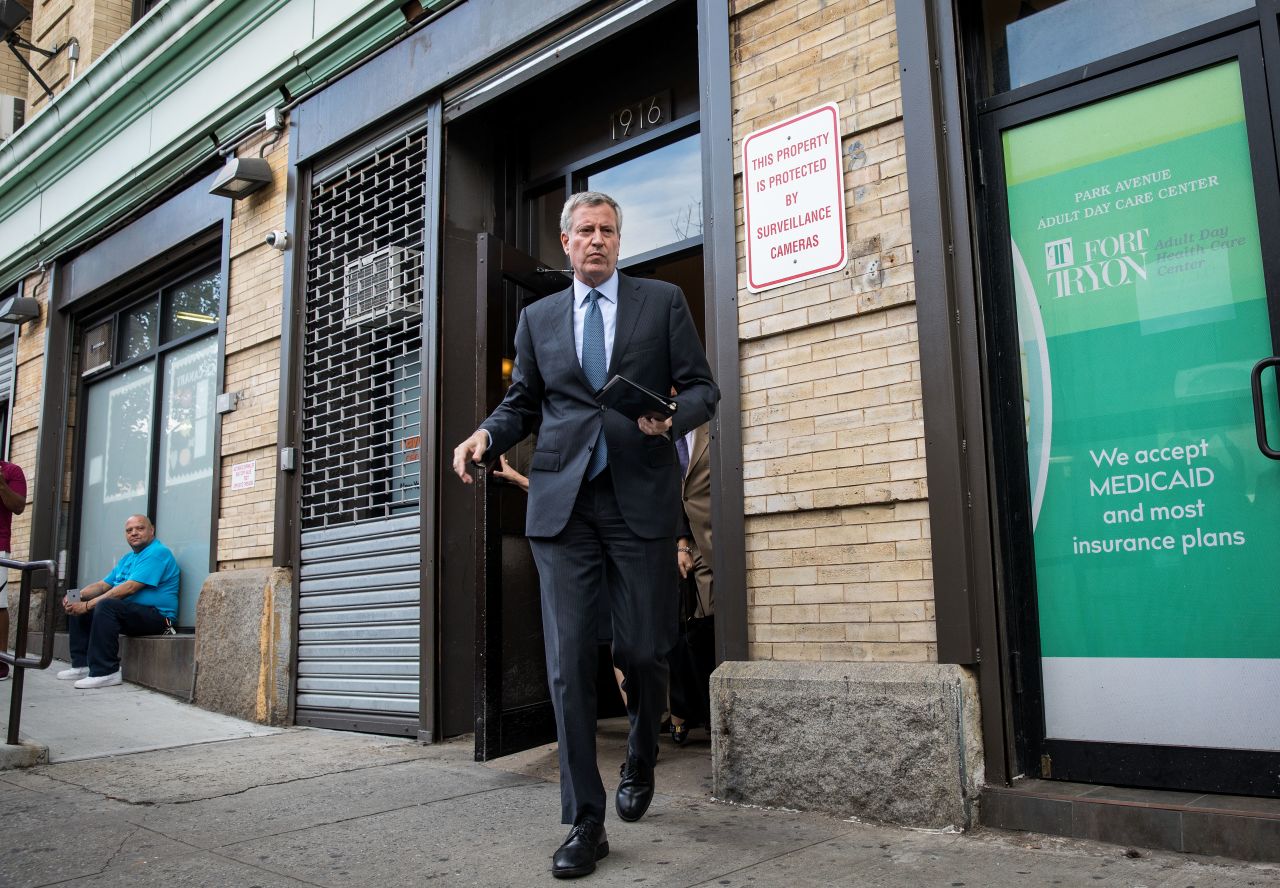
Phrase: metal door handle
[1259,415]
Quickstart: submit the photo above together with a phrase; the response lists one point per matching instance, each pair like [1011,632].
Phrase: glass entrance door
[1132,250]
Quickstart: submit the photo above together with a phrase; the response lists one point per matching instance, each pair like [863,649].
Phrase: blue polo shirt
[157,570]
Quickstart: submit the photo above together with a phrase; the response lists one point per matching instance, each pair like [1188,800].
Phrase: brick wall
[246,519]
[13,77]
[838,555]
[24,423]
[97,24]
[24,426]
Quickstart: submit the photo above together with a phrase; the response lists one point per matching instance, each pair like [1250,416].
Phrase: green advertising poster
[1141,310]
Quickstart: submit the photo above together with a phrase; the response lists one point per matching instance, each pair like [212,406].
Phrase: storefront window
[405,417]
[186,474]
[190,307]
[660,194]
[137,331]
[546,212]
[1142,306]
[163,405]
[117,466]
[1029,40]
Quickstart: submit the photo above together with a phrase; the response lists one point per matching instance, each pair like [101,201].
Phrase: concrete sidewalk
[309,807]
[74,724]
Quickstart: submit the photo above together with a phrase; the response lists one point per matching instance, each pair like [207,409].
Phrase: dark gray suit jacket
[656,345]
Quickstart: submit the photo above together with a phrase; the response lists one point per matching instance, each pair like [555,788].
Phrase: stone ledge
[892,742]
[164,663]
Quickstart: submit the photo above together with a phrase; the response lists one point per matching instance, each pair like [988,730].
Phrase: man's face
[592,243]
[138,533]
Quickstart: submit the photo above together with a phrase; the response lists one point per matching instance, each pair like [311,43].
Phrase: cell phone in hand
[73,596]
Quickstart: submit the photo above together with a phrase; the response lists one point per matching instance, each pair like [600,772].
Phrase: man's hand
[77,609]
[651,425]
[684,558]
[469,451]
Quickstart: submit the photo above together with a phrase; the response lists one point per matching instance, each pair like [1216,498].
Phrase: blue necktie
[682,451]
[593,366]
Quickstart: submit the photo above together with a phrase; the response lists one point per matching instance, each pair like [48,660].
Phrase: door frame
[1165,767]
[474,197]
[499,730]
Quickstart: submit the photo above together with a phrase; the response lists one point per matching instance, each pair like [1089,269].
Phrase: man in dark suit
[604,500]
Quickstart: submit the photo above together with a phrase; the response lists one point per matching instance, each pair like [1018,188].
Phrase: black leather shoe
[635,789]
[586,844]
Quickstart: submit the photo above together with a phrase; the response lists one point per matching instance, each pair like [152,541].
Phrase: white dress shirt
[608,313]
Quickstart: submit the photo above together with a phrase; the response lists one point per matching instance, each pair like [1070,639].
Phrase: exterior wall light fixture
[241,177]
[19,309]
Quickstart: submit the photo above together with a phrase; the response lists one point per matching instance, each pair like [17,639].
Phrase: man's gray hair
[587,199]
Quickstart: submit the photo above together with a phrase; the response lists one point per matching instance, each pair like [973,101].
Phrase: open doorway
[508,168]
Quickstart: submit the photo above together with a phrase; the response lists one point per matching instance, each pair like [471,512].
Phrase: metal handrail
[19,660]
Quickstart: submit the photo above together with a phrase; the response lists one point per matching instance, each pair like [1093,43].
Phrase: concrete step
[165,663]
[1243,827]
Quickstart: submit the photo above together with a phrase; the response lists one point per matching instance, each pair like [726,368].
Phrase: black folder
[633,400]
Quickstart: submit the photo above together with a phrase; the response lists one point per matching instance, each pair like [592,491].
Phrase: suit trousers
[95,636]
[596,546]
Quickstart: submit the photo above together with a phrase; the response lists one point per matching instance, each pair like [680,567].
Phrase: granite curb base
[891,742]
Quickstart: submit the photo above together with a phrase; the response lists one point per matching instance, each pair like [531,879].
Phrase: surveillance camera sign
[793,183]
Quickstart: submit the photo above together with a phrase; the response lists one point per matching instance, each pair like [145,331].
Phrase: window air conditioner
[383,286]
[95,349]
[13,113]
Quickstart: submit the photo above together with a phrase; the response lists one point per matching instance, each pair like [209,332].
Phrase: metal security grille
[358,627]
[358,622]
[363,338]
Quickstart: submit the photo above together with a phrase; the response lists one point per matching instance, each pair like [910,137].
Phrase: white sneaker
[73,672]
[99,681]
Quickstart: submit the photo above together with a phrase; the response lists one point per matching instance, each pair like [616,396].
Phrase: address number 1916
[633,119]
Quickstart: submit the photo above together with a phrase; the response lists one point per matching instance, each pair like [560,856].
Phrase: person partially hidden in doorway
[13,499]
[138,597]
[693,658]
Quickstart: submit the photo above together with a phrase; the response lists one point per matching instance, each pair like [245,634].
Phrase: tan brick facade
[246,519]
[838,555]
[24,420]
[97,24]
[252,367]
[13,77]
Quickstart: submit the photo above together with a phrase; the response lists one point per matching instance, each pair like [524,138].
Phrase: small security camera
[279,240]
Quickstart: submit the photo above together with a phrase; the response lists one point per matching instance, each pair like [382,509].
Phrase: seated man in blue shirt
[138,597]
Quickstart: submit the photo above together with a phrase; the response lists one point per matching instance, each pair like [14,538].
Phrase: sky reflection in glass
[660,194]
